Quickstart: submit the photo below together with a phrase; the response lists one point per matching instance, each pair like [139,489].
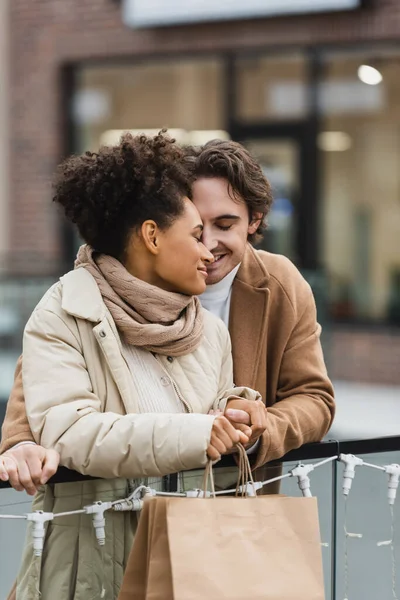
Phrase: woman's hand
[224,438]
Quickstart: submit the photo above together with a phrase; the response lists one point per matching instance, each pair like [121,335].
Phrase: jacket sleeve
[305,407]
[66,415]
[16,427]
[227,389]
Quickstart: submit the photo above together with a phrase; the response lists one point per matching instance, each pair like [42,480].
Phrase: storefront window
[183,95]
[271,88]
[360,147]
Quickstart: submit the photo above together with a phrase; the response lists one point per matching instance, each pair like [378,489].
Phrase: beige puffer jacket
[80,398]
[80,401]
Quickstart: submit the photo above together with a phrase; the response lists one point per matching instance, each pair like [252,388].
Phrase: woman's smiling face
[182,260]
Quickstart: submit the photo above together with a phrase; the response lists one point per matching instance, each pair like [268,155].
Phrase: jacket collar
[248,318]
[81,296]
[252,270]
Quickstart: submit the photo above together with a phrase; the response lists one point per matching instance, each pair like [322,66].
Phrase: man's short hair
[231,161]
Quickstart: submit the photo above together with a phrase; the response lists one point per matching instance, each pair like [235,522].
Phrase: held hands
[248,416]
[224,438]
[28,466]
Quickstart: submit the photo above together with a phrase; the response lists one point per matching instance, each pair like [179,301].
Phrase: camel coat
[277,351]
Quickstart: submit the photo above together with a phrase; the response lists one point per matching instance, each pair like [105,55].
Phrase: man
[264,300]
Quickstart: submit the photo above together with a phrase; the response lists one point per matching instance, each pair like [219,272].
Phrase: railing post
[334,531]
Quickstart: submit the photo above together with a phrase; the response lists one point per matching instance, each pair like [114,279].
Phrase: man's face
[226,225]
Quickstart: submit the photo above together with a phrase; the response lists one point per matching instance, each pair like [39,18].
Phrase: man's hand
[244,413]
[28,466]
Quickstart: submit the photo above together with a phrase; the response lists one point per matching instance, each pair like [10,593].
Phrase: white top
[217,297]
[154,389]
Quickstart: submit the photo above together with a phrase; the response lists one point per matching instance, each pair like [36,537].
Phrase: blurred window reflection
[361,185]
[178,94]
[271,87]
[279,160]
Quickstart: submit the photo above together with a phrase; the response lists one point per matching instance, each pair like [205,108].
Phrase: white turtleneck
[217,297]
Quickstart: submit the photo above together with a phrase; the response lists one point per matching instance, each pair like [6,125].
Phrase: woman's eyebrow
[199,226]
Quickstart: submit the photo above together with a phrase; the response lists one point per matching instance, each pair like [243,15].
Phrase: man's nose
[209,240]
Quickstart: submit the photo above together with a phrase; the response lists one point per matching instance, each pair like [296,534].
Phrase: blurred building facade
[4,137]
[301,91]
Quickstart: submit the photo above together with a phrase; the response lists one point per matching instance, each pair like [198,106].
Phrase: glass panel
[369,565]
[12,536]
[271,88]
[185,95]
[360,147]
[361,153]
[279,161]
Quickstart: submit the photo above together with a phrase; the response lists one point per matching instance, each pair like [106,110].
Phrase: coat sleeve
[305,407]
[16,427]
[65,414]
[227,389]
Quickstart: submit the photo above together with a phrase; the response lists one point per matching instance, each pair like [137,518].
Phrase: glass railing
[356,564]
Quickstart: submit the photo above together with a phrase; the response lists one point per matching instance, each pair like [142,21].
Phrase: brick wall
[365,356]
[46,34]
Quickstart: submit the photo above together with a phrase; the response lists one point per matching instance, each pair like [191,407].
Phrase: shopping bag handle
[245,475]
[208,478]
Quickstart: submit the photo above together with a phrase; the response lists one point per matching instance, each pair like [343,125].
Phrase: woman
[121,366]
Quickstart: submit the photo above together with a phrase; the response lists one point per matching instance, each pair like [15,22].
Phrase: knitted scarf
[162,322]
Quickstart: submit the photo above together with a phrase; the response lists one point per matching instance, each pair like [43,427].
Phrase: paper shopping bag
[159,573]
[135,585]
[258,548]
[148,573]
[265,548]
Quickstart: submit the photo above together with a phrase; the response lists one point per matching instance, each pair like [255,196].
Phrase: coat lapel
[248,322]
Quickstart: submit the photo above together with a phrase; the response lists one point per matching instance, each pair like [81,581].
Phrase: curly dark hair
[108,194]
[231,161]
